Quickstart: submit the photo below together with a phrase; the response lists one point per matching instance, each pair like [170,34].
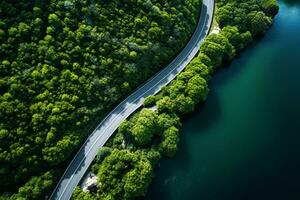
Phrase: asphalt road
[109,125]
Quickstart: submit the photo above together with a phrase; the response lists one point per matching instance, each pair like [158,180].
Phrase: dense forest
[125,166]
[63,65]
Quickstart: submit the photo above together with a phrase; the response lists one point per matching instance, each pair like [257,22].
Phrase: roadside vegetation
[64,64]
[125,165]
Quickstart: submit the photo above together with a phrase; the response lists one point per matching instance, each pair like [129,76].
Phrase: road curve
[109,125]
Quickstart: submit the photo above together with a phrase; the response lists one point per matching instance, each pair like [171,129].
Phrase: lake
[244,142]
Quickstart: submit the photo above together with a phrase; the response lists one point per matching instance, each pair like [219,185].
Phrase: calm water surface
[244,143]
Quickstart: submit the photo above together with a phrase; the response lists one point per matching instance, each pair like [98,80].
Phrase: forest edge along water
[243,143]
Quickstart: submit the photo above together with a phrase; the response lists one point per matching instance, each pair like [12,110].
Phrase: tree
[36,188]
[124,175]
[166,104]
[258,22]
[270,7]
[198,66]
[102,153]
[150,101]
[141,128]
[218,49]
[59,71]
[165,121]
[78,194]
[237,39]
[224,15]
[2,35]
[184,104]
[169,145]
[197,89]
[137,180]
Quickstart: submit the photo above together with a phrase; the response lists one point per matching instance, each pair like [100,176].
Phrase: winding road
[109,125]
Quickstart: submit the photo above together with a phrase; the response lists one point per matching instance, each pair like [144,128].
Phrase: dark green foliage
[247,15]
[141,128]
[199,66]
[103,153]
[218,48]
[169,144]
[152,155]
[65,64]
[184,104]
[166,121]
[79,194]
[124,175]
[150,101]
[237,39]
[258,22]
[186,91]
[36,188]
[197,88]
[270,7]
[158,130]
[166,105]
[147,129]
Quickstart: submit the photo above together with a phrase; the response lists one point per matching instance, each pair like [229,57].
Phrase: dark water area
[244,142]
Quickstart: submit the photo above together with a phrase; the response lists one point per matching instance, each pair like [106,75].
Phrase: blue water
[244,143]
